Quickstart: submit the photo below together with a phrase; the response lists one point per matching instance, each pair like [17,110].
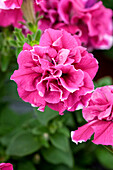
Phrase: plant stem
[109,148]
[28,11]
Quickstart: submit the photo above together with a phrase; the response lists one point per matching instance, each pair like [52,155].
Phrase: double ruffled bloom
[99,114]
[86,18]
[58,72]
[6,166]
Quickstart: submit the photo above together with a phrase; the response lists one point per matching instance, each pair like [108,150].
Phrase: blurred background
[32,140]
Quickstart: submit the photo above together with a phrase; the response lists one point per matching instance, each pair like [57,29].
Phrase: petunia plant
[46,49]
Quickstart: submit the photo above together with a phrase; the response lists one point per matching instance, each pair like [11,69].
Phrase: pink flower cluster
[6,166]
[99,115]
[58,72]
[86,18]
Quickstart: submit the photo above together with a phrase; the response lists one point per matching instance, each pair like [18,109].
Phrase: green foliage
[11,43]
[46,116]
[25,165]
[108,53]
[104,81]
[31,39]
[105,158]
[5,51]
[56,156]
[23,144]
[60,141]
[108,3]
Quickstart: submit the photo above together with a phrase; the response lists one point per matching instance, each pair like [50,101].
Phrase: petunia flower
[58,72]
[86,18]
[11,17]
[99,115]
[6,166]
[10,4]
[11,12]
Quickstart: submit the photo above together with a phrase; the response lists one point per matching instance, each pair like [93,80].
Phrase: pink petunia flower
[99,114]
[85,18]
[58,72]
[10,4]
[99,32]
[11,17]
[6,166]
[11,13]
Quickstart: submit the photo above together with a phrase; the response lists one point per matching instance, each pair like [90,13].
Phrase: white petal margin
[109,38]
[80,141]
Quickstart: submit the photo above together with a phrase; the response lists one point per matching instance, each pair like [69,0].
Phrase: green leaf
[60,141]
[65,131]
[23,144]
[105,157]
[32,27]
[68,119]
[5,59]
[18,50]
[35,127]
[108,3]
[38,35]
[104,81]
[26,165]
[5,140]
[19,35]
[46,116]
[39,130]
[63,167]
[8,121]
[56,156]
[29,37]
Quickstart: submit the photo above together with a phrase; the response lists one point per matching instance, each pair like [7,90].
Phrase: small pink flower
[6,166]
[99,114]
[58,72]
[10,4]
